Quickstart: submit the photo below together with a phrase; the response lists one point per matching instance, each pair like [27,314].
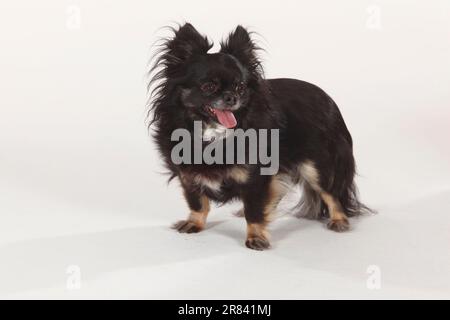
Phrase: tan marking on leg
[257,236]
[199,217]
[257,230]
[238,174]
[338,219]
[309,172]
[277,190]
[334,207]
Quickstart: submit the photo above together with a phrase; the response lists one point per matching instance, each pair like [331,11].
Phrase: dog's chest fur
[213,131]
[219,185]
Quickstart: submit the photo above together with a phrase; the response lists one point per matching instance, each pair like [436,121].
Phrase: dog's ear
[186,43]
[240,45]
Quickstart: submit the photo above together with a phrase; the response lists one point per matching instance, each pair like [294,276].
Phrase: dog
[228,90]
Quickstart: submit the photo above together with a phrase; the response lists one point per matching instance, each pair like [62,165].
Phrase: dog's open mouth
[224,117]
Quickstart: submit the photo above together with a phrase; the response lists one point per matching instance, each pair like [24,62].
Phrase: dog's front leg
[260,199]
[199,208]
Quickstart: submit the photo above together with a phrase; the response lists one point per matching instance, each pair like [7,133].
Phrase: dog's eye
[240,88]
[209,87]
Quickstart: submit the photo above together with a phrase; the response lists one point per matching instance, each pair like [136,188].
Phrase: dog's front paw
[257,243]
[187,226]
[340,225]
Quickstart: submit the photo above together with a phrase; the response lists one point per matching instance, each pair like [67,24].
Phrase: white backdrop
[85,213]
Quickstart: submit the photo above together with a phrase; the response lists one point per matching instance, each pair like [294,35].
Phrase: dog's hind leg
[338,219]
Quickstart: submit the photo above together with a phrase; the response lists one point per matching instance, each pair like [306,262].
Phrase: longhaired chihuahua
[227,90]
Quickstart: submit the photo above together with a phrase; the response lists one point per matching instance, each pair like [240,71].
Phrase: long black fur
[311,125]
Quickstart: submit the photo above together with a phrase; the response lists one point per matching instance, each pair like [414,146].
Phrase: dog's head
[213,87]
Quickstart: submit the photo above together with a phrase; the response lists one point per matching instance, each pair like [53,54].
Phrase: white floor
[80,183]
[128,258]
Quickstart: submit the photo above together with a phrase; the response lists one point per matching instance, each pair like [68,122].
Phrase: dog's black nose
[229,99]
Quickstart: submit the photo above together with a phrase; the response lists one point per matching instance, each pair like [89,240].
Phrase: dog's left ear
[186,43]
[240,45]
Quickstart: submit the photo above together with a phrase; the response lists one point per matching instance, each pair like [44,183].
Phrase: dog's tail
[311,205]
[351,205]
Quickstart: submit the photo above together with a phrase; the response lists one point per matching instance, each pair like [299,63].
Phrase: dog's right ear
[240,45]
[186,43]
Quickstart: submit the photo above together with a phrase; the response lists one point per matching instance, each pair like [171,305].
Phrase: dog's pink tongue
[226,118]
